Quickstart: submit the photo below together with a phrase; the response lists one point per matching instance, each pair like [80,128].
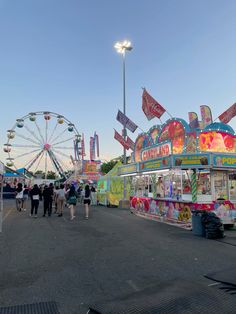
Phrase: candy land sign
[156,151]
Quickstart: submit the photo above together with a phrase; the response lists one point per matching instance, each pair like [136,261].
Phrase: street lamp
[122,47]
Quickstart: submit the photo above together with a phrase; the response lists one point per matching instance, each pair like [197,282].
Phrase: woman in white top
[19,196]
[61,197]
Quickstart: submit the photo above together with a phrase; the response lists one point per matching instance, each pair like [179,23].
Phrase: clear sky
[58,55]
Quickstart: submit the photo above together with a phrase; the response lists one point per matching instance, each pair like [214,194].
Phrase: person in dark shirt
[87,200]
[51,188]
[46,201]
[35,195]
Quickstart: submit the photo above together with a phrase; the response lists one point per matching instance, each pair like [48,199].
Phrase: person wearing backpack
[72,200]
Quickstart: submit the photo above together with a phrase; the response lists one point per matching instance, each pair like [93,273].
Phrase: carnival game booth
[180,169]
[110,188]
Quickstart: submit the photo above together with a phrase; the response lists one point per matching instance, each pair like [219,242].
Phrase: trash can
[197,226]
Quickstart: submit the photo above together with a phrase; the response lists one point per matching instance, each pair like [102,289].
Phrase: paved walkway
[78,262]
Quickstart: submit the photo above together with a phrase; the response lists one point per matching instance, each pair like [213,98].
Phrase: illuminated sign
[156,151]
[157,164]
[91,166]
[191,160]
[221,160]
[131,168]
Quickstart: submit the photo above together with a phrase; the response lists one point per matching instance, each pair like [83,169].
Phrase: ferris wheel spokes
[27,138]
[24,146]
[31,132]
[41,156]
[56,163]
[59,135]
[69,139]
[40,133]
[59,152]
[59,160]
[33,160]
[63,147]
[28,153]
[40,140]
[46,164]
[53,132]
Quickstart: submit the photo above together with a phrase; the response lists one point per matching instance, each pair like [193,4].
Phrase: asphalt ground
[114,253]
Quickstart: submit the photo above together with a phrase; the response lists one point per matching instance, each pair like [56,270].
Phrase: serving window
[203,183]
[220,184]
[232,187]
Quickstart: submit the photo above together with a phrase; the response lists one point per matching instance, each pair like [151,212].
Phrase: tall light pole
[122,47]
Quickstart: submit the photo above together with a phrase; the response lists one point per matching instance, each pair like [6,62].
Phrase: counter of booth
[169,188]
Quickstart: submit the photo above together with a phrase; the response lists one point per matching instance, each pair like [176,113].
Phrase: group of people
[60,196]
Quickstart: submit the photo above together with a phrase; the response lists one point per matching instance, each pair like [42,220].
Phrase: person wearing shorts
[87,200]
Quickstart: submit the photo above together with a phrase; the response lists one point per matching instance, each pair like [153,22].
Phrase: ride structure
[87,170]
[44,141]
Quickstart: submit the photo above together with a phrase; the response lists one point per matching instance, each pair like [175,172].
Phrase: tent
[110,188]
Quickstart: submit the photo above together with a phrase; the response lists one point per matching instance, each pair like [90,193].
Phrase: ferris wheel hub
[47,146]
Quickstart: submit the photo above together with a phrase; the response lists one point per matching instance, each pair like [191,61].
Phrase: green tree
[107,166]
[51,175]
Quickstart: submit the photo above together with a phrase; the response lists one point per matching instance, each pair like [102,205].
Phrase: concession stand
[179,169]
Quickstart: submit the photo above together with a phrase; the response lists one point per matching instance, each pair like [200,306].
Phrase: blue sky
[58,55]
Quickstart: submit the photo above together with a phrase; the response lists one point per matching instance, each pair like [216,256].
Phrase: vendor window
[176,184]
[186,182]
[220,184]
[232,187]
[203,183]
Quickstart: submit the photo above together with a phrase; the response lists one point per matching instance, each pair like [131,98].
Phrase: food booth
[179,169]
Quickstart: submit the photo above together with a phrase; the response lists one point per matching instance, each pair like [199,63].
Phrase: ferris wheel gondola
[43,141]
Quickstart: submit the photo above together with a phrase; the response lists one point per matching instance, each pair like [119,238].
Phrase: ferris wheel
[43,141]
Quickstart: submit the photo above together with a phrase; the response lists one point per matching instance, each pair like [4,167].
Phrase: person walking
[25,197]
[93,196]
[35,195]
[51,188]
[61,197]
[87,200]
[19,196]
[72,200]
[46,201]
[55,195]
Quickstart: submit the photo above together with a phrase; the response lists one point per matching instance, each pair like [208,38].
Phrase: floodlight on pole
[121,48]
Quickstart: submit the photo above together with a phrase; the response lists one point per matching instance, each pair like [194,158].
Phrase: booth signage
[194,160]
[131,168]
[156,151]
[221,160]
[157,164]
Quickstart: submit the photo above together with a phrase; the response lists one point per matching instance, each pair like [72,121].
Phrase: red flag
[91,148]
[151,107]
[121,140]
[226,116]
[97,141]
[130,143]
